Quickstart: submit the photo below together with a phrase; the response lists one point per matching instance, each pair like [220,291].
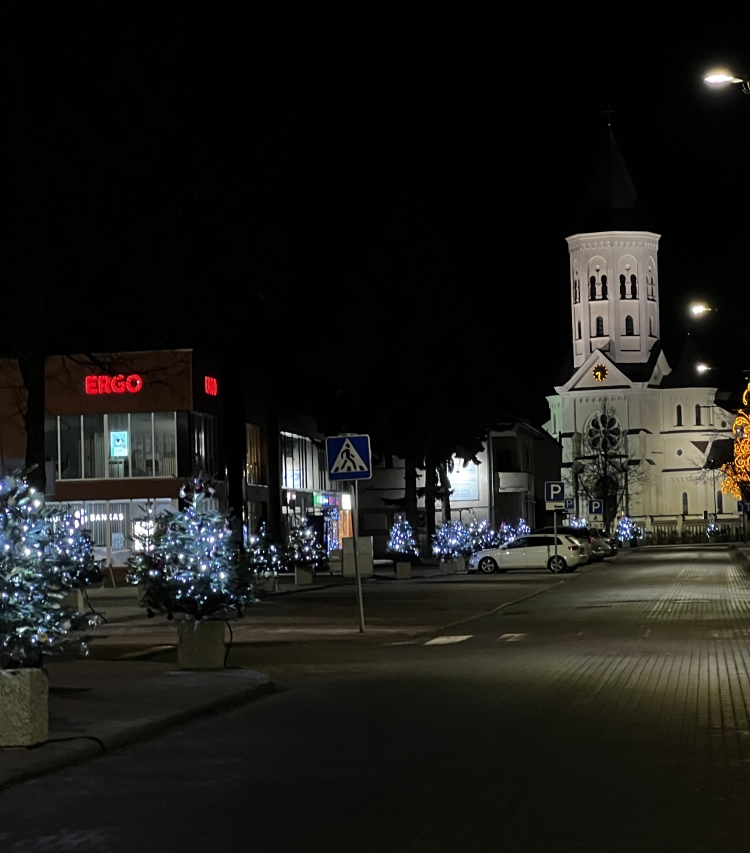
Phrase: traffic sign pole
[357,576]
[349,458]
[554,533]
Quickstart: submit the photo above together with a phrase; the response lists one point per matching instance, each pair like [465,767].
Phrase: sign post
[554,495]
[349,458]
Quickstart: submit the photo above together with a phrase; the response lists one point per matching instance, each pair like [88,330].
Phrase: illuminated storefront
[120,431]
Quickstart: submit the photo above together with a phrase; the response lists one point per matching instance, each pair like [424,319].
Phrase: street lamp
[722,77]
[699,309]
[702,368]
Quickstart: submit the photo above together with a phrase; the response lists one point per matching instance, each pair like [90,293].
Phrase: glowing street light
[698,309]
[702,368]
[720,77]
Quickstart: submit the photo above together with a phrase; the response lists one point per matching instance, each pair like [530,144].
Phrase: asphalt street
[609,713]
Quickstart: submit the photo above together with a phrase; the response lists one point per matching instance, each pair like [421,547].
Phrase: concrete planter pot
[460,564]
[447,567]
[267,584]
[24,707]
[201,644]
[403,570]
[303,576]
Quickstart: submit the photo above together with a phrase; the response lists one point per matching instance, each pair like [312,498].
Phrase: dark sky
[489,142]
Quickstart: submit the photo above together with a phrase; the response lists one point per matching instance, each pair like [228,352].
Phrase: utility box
[364,555]
[24,707]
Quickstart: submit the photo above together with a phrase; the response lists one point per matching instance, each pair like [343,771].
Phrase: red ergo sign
[114,384]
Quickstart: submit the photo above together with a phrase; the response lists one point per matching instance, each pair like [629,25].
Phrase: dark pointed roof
[685,375]
[611,203]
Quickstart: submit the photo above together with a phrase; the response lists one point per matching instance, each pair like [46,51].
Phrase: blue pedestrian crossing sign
[596,507]
[349,457]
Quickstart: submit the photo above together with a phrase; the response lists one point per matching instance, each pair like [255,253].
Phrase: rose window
[604,432]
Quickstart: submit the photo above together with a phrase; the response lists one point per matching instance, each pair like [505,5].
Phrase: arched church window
[629,330]
[600,327]
[697,414]
[592,287]
[651,326]
[679,416]
[604,287]
[684,503]
[623,287]
[633,287]
[719,502]
[578,337]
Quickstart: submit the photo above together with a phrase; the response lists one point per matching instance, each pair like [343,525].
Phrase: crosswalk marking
[510,638]
[444,641]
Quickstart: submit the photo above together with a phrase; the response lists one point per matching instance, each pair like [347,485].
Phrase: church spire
[612,203]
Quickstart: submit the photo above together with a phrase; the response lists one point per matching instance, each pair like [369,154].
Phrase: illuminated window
[254,466]
[115,446]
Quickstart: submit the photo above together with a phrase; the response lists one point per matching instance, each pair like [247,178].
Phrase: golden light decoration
[738,472]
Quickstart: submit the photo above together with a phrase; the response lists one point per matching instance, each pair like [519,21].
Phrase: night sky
[183,151]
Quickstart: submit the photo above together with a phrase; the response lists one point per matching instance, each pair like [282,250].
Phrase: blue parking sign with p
[554,491]
[596,507]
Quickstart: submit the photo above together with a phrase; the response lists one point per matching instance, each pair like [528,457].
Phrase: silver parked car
[535,551]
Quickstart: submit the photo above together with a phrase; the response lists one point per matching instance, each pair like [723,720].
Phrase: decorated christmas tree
[192,562]
[402,543]
[43,556]
[304,549]
[334,516]
[451,541]
[265,559]
[625,530]
[480,535]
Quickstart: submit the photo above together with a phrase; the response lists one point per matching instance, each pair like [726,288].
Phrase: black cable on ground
[90,606]
[74,737]
[229,646]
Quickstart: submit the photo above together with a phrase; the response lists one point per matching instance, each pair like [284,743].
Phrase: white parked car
[535,551]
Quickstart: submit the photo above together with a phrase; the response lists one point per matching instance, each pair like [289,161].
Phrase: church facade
[636,434]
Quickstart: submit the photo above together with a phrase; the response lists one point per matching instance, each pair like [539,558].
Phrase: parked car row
[575,546]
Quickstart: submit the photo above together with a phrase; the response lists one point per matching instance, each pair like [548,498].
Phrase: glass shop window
[118,446]
[165,445]
[205,445]
[70,447]
[254,466]
[93,446]
[141,444]
[50,442]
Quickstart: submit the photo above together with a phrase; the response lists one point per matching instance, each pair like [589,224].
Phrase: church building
[637,436]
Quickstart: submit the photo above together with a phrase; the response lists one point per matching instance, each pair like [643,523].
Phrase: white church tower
[613,273]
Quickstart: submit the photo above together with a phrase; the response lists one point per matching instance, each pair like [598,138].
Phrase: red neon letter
[134,383]
[212,386]
[91,387]
[118,384]
[104,387]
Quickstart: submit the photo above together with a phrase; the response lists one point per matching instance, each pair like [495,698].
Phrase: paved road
[608,714]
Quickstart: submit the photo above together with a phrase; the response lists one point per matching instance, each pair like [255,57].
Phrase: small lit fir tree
[625,529]
[193,563]
[304,550]
[334,517]
[264,558]
[402,543]
[737,472]
[450,541]
[481,536]
[43,556]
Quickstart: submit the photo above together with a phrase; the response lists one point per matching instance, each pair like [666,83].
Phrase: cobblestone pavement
[607,714]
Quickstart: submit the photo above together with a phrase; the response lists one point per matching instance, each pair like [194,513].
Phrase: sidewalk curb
[76,750]
[499,608]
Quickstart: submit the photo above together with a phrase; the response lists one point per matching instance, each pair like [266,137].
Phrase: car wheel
[487,565]
[557,565]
